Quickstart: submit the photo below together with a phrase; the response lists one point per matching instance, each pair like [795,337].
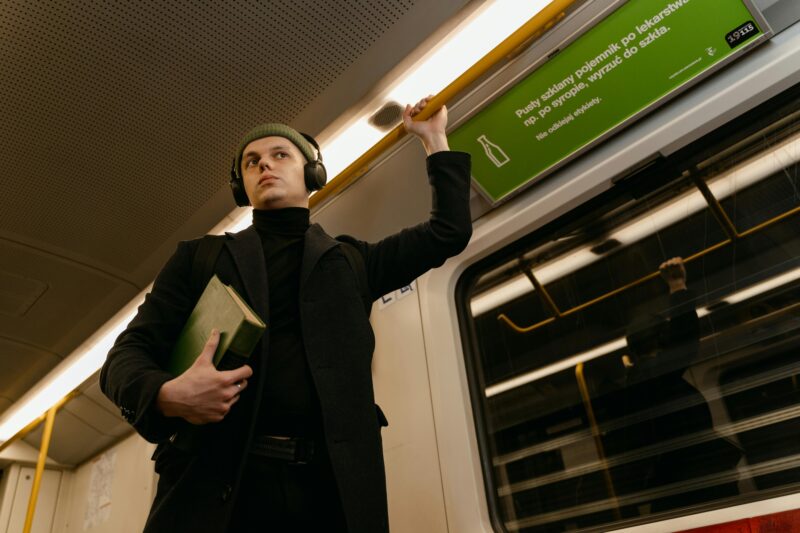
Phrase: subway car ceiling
[116,155]
[119,125]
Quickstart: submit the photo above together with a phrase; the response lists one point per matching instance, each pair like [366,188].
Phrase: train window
[638,358]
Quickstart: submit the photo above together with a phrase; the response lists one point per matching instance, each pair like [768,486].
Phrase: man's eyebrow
[280,147]
[271,149]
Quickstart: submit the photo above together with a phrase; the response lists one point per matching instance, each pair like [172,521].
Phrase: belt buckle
[303,451]
[293,450]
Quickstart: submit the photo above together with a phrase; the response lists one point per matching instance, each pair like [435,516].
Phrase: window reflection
[642,363]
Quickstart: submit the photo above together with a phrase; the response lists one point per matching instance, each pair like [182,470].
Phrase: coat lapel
[317,242]
[245,248]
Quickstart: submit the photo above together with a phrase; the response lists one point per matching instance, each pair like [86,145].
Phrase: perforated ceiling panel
[119,118]
[119,121]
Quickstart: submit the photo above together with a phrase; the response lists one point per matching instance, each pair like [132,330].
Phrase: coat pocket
[169,460]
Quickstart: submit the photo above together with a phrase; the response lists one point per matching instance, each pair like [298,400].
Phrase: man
[290,441]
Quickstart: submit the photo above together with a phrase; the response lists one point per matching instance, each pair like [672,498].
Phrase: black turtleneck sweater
[289,404]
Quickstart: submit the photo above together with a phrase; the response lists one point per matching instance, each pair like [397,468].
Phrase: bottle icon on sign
[495,154]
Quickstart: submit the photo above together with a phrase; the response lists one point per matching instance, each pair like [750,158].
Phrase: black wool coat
[198,484]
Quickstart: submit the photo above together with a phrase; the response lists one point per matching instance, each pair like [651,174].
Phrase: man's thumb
[210,347]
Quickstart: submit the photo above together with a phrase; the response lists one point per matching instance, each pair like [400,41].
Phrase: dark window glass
[639,359]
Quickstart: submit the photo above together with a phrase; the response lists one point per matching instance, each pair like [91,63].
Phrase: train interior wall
[432,461]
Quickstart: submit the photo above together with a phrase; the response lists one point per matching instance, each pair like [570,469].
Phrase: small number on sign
[741,34]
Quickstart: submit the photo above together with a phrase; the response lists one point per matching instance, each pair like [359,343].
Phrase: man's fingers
[421,105]
[237,374]
[238,387]
[232,401]
[407,116]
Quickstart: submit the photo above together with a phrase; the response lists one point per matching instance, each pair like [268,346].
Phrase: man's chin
[271,201]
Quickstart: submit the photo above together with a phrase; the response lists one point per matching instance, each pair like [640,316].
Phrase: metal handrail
[50,419]
[736,236]
[511,46]
[22,433]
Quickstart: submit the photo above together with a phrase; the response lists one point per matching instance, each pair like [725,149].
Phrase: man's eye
[281,155]
[250,163]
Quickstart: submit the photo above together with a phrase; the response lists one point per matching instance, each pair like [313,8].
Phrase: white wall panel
[86,508]
[400,373]
[16,497]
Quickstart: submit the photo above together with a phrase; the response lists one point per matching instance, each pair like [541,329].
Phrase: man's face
[272,169]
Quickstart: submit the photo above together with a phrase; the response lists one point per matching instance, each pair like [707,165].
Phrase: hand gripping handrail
[523,37]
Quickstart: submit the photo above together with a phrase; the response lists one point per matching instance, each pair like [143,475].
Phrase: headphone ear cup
[239,194]
[237,187]
[315,175]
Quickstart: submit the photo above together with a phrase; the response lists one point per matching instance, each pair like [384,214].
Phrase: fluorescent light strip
[493,21]
[549,370]
[739,296]
[727,184]
[755,290]
[69,374]
[497,296]
[456,53]
[736,297]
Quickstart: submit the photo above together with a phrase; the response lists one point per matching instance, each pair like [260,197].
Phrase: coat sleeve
[682,334]
[400,258]
[134,369]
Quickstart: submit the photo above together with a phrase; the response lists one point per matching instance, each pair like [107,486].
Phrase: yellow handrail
[37,479]
[543,292]
[22,433]
[596,436]
[528,32]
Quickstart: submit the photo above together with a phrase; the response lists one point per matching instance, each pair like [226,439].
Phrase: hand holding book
[203,394]
[208,384]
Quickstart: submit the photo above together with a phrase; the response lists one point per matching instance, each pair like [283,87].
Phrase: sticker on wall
[390,298]
[98,509]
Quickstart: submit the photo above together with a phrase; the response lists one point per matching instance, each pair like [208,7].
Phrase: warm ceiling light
[69,374]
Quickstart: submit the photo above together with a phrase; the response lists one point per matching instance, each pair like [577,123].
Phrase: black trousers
[276,496]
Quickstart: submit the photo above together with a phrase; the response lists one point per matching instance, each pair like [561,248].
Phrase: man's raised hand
[431,131]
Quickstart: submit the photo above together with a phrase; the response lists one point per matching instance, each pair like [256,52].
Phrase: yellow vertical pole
[37,480]
[598,442]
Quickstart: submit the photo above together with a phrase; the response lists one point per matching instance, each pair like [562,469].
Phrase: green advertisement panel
[627,64]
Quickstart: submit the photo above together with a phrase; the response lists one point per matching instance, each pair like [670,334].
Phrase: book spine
[245,339]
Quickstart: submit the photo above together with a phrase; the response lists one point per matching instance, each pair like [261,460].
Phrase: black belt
[295,450]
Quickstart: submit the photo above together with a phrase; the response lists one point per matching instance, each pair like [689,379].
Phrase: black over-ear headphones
[314,173]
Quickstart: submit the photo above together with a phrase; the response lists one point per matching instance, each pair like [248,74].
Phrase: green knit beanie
[275,130]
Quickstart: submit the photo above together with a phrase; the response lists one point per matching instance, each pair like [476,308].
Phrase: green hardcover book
[220,307]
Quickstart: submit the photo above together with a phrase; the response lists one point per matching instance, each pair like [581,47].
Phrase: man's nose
[263,164]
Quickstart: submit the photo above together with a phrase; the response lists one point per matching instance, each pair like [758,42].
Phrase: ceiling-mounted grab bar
[527,329]
[523,37]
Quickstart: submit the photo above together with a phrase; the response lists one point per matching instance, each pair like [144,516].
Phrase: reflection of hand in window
[665,339]
[674,274]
